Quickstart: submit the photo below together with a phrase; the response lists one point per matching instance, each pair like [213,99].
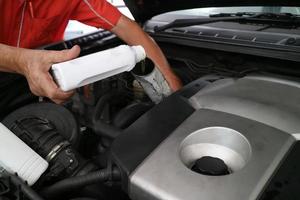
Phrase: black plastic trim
[223,45]
[89,43]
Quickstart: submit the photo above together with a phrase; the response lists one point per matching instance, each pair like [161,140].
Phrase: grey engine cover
[249,123]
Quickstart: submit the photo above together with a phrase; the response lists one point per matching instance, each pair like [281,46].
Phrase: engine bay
[230,133]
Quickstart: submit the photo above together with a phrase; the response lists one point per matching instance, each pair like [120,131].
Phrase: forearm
[9,59]
[136,36]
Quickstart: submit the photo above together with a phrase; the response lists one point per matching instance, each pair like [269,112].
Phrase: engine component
[152,80]
[99,125]
[212,166]
[130,113]
[17,157]
[84,70]
[46,141]
[244,128]
[77,182]
[112,127]
[43,137]
[60,117]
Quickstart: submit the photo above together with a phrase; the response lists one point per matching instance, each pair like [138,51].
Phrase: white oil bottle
[97,66]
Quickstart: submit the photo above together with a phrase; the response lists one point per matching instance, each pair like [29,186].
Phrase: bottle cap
[140,53]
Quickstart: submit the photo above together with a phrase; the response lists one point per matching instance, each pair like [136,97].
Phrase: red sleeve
[97,13]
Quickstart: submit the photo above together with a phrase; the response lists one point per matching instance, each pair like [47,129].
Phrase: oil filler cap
[212,166]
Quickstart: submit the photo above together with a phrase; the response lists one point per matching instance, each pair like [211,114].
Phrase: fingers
[45,86]
[52,91]
[64,55]
[38,63]
[60,101]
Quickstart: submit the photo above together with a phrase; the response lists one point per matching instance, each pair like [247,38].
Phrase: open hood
[145,9]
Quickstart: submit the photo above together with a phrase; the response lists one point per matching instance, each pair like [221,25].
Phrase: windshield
[258,9]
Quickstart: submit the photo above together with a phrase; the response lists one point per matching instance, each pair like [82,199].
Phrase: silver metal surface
[270,100]
[219,142]
[163,175]
[55,150]
[250,123]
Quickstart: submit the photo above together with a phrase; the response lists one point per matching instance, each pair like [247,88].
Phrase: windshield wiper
[269,18]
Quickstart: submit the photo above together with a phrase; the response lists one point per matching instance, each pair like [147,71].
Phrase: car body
[232,131]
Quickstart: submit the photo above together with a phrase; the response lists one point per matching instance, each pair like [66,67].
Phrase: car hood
[145,9]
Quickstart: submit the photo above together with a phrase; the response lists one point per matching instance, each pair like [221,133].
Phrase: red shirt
[33,23]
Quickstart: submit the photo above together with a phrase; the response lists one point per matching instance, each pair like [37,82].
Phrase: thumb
[65,55]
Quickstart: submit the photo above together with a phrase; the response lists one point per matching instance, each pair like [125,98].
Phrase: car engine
[231,133]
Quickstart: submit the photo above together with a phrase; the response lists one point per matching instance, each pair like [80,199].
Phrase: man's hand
[35,66]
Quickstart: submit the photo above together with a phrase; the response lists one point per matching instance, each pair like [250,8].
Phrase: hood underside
[145,9]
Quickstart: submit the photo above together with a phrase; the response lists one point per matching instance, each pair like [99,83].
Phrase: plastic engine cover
[229,140]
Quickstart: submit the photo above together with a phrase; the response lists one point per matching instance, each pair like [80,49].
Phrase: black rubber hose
[77,182]
[99,127]
[130,114]
[102,102]
[106,130]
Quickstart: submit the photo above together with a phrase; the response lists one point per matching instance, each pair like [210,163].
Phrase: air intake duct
[42,132]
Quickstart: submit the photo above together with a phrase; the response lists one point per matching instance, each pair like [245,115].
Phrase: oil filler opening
[215,151]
